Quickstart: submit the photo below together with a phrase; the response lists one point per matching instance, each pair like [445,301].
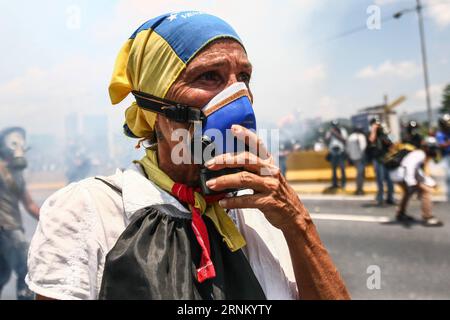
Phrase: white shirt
[80,224]
[335,143]
[356,145]
[410,170]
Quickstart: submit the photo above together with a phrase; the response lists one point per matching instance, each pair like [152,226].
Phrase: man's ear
[157,132]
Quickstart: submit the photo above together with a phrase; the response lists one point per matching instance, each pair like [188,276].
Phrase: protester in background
[285,149]
[443,140]
[413,135]
[378,147]
[336,137]
[411,177]
[13,245]
[356,147]
[432,132]
[296,145]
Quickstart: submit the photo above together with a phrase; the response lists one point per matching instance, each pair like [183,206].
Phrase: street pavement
[377,257]
[413,261]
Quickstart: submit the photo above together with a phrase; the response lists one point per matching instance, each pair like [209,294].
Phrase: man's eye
[209,76]
[244,77]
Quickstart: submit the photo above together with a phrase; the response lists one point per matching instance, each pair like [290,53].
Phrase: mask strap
[170,109]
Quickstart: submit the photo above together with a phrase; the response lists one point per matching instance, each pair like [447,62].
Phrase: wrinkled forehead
[220,48]
[14,140]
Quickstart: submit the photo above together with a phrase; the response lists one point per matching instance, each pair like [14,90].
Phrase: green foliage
[446,100]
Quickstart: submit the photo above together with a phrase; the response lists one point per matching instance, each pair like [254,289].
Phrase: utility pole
[419,9]
[424,61]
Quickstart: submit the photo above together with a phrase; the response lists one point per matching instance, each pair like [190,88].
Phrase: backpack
[394,158]
[379,148]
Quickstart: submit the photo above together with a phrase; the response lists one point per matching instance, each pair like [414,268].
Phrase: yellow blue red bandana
[155,55]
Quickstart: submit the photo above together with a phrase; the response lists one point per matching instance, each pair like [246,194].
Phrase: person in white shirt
[336,138]
[356,148]
[148,232]
[411,177]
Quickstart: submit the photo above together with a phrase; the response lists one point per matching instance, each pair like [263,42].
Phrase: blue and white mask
[230,107]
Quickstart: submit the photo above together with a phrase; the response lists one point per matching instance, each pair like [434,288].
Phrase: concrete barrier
[312,166]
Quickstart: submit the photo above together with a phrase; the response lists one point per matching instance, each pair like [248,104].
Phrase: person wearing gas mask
[166,228]
[443,140]
[337,137]
[378,147]
[413,135]
[13,244]
[411,178]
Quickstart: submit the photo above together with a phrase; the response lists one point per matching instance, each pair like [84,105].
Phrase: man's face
[220,65]
[211,71]
[214,69]
[14,149]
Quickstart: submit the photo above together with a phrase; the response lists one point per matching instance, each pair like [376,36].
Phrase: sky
[57,56]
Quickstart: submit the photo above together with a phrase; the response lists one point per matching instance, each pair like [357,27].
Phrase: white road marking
[349,217]
[369,198]
[335,197]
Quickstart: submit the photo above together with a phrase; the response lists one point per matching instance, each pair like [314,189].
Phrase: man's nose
[233,78]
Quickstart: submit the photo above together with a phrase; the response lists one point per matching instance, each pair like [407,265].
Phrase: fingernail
[210,162]
[211,183]
[222,203]
[235,128]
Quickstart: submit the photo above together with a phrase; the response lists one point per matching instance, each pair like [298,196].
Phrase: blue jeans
[283,167]
[338,160]
[382,176]
[13,256]
[447,159]
[360,166]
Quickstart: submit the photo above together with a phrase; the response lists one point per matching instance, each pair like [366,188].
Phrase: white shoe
[432,222]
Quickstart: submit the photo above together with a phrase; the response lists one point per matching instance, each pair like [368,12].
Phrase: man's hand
[272,194]
[316,275]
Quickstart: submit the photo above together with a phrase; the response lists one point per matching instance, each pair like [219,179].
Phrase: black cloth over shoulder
[156,258]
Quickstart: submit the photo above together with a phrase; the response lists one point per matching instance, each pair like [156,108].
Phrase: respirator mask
[212,125]
[13,148]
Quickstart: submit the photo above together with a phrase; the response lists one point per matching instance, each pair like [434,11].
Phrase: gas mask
[13,148]
[212,125]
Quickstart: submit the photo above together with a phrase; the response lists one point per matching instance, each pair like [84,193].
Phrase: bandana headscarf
[150,62]
[155,55]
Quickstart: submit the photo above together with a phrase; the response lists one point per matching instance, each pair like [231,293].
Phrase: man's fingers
[246,160]
[254,201]
[250,138]
[244,179]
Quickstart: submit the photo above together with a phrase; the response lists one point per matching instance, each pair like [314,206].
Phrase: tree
[446,100]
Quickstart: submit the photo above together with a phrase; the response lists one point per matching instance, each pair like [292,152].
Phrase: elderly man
[148,232]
